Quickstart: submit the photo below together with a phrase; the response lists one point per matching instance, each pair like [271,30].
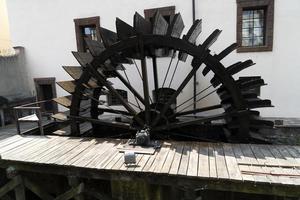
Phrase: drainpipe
[195,76]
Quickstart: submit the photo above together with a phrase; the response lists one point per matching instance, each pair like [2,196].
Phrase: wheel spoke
[193,97]
[102,122]
[146,91]
[115,111]
[128,85]
[198,100]
[189,136]
[165,78]
[197,121]
[137,68]
[103,81]
[204,109]
[156,84]
[108,109]
[180,88]
[174,73]
[134,92]
[167,73]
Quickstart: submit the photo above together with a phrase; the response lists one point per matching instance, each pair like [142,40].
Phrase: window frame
[269,24]
[81,22]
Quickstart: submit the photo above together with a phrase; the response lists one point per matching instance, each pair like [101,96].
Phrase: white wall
[46,30]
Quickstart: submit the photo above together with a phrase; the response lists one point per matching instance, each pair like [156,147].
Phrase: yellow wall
[5,42]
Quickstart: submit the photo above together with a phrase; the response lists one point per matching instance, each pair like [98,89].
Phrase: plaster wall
[46,30]
[13,76]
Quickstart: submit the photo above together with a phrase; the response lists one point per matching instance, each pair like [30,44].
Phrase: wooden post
[17,121]
[19,189]
[74,182]
[20,192]
[40,124]
[2,118]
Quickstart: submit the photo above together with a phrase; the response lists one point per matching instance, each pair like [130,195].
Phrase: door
[46,90]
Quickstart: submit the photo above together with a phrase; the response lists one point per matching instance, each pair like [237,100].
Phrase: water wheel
[157,112]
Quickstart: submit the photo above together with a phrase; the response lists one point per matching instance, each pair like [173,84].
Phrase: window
[86,28]
[112,100]
[255,25]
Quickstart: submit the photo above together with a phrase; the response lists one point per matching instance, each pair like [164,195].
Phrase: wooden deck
[264,169]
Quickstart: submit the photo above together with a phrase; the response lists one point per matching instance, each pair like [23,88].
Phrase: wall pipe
[195,76]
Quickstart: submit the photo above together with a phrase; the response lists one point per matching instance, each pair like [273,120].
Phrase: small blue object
[129,157]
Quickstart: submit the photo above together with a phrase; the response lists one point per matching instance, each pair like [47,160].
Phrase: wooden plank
[136,149]
[222,171]
[85,156]
[142,162]
[248,154]
[231,162]
[88,157]
[161,157]
[74,152]
[203,164]
[58,150]
[60,117]
[16,144]
[212,161]
[160,25]
[68,86]
[29,118]
[294,153]
[150,162]
[74,71]
[67,150]
[105,154]
[83,58]
[239,157]
[285,154]
[114,160]
[275,157]
[15,151]
[182,170]
[173,149]
[120,165]
[64,101]
[177,158]
[40,145]
[8,140]
[109,156]
[193,160]
[46,149]
[4,137]
[264,155]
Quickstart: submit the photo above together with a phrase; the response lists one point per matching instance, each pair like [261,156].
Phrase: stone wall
[14,81]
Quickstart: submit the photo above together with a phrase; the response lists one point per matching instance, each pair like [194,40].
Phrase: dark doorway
[46,90]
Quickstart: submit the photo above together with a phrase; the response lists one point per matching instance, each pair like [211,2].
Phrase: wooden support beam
[36,189]
[15,184]
[74,182]
[73,192]
[10,186]
[20,191]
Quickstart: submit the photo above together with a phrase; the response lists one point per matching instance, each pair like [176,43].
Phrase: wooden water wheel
[157,112]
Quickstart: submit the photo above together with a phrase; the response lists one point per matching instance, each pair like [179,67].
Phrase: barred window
[253,33]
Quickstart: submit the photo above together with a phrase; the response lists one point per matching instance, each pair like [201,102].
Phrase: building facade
[267,31]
